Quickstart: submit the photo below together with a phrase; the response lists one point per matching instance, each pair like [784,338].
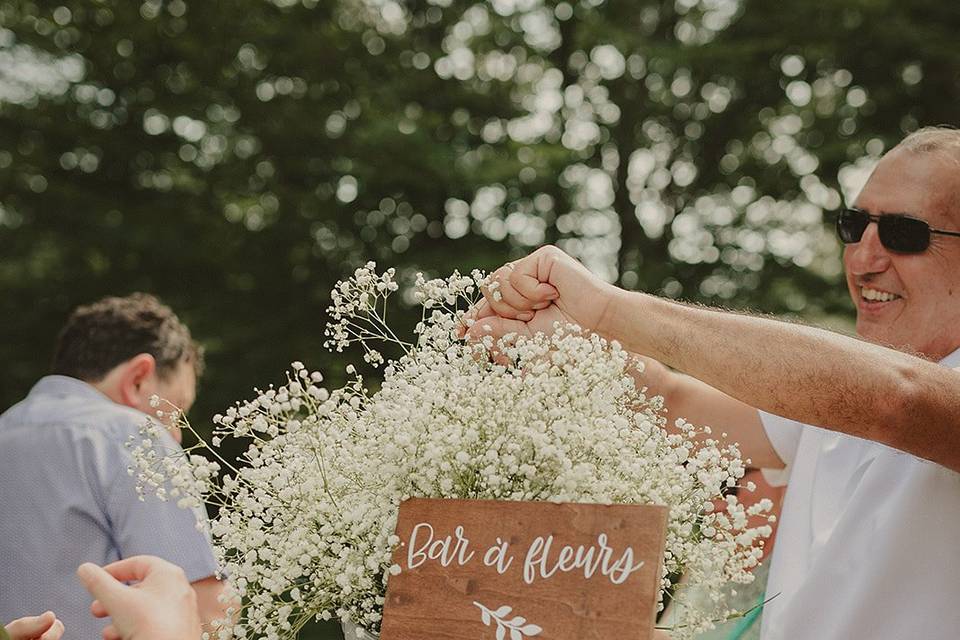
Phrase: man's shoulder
[84,415]
[111,419]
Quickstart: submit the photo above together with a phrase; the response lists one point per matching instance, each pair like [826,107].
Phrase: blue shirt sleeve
[153,526]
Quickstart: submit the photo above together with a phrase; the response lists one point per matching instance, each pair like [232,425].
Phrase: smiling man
[865,432]
[903,270]
[65,491]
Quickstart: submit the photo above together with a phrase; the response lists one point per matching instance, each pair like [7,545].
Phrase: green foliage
[236,158]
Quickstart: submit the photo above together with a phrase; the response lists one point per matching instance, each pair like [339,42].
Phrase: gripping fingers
[500,296]
[476,313]
[110,633]
[511,294]
[31,626]
[496,327]
[525,281]
[98,610]
[55,632]
[133,569]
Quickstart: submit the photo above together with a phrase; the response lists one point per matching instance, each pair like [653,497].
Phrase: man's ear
[136,372]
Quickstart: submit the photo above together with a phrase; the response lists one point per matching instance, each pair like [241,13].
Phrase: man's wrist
[615,308]
[627,318]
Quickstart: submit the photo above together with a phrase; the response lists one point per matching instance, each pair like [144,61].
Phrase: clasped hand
[534,293]
[161,605]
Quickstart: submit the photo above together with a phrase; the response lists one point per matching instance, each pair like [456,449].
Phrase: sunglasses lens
[906,235]
[851,225]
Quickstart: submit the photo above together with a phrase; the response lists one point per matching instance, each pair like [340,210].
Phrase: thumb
[496,327]
[101,585]
[31,626]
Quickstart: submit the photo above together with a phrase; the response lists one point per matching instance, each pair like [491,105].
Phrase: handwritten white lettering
[446,550]
[539,563]
[497,555]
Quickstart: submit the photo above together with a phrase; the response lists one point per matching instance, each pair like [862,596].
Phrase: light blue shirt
[66,498]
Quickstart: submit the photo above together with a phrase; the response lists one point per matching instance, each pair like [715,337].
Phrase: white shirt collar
[952,360]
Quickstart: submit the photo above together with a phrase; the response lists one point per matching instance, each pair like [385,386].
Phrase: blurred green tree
[236,158]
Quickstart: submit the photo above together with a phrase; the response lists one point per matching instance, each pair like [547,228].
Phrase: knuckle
[177,574]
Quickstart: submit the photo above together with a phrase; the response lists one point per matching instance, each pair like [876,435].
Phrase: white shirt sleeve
[784,435]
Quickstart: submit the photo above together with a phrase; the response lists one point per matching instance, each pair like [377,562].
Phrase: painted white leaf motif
[516,626]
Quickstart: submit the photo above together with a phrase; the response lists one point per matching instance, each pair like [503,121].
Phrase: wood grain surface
[431,601]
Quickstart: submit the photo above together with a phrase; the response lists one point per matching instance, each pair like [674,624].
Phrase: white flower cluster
[306,525]
[167,469]
[359,312]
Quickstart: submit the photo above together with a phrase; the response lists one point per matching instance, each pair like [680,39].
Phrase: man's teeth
[879,296]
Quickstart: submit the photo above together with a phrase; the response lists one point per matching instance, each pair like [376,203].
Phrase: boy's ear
[134,374]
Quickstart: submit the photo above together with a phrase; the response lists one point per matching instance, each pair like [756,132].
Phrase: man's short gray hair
[942,139]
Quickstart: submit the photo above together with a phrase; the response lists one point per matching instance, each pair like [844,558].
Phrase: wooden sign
[485,569]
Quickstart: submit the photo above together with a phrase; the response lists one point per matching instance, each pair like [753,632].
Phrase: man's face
[923,315]
[179,388]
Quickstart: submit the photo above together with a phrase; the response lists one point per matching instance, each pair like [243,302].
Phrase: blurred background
[237,158]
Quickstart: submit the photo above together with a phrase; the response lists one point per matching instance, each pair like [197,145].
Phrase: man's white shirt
[868,540]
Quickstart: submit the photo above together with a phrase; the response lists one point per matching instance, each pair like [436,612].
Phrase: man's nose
[868,255]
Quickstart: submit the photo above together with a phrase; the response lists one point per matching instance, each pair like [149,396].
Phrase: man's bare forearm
[807,374]
[699,403]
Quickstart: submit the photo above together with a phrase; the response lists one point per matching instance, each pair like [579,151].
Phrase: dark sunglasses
[897,232]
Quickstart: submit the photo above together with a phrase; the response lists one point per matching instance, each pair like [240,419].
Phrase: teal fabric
[746,624]
[748,598]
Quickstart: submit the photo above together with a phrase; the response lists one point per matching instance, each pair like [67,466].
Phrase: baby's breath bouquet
[305,527]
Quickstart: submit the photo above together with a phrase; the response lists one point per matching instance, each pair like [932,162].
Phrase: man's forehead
[923,185]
